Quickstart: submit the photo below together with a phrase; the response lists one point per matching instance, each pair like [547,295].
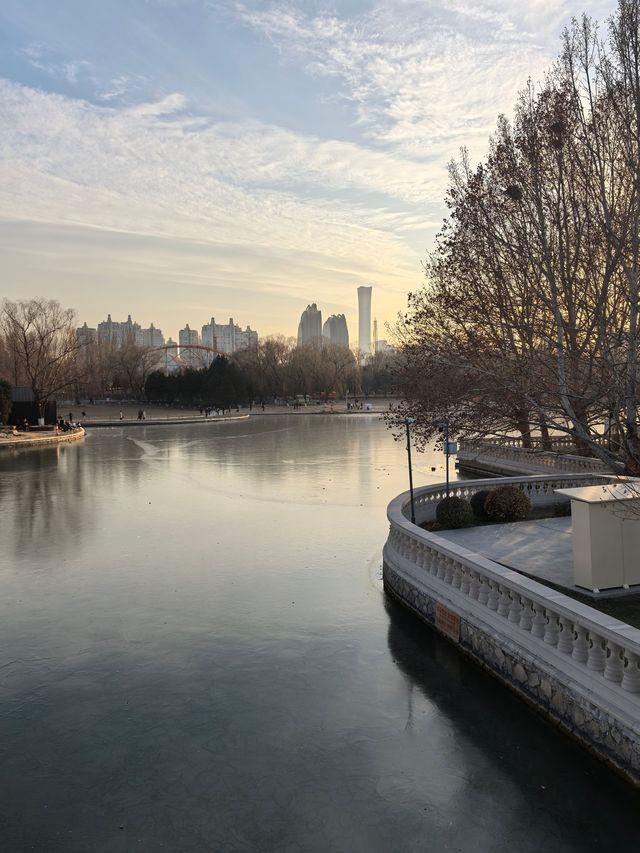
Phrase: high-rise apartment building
[129,332]
[86,336]
[229,337]
[119,334]
[310,326]
[189,337]
[364,320]
[335,330]
[152,337]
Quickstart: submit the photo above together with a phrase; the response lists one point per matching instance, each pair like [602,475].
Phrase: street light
[449,447]
[407,423]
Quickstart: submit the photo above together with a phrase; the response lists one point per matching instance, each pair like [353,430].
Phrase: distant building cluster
[121,334]
[335,330]
[193,349]
[198,349]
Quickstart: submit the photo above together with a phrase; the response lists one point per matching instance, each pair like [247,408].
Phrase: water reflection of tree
[540,764]
[48,495]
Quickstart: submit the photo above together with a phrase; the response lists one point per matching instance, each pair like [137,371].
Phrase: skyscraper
[335,330]
[364,320]
[310,326]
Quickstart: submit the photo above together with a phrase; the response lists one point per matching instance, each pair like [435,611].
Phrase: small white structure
[606,535]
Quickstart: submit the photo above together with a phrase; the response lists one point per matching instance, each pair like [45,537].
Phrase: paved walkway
[541,549]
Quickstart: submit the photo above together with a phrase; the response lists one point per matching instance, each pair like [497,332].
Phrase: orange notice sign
[448,622]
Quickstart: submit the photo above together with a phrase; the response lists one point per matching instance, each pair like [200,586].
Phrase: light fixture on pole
[407,423]
[449,447]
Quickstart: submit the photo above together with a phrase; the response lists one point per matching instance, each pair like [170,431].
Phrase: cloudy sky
[177,159]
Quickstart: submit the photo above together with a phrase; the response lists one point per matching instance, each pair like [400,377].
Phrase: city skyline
[251,155]
[334,328]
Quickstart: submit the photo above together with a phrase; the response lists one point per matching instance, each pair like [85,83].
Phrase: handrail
[601,652]
[540,489]
[472,449]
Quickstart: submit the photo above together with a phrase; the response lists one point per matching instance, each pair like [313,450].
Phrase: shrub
[507,503]
[477,502]
[453,512]
[562,509]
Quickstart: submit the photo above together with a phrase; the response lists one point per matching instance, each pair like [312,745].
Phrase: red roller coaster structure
[174,354]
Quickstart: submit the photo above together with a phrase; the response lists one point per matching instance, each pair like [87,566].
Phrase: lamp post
[444,429]
[407,423]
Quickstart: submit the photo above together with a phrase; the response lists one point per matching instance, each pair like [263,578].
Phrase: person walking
[121,415]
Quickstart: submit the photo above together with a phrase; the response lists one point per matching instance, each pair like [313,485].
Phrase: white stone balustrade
[510,451]
[540,488]
[589,648]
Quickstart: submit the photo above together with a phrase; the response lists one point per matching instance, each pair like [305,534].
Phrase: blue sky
[178,159]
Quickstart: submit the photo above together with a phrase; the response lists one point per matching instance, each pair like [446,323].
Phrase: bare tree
[531,306]
[41,346]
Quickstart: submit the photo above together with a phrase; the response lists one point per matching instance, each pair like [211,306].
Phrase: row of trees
[529,318]
[39,348]
[275,370]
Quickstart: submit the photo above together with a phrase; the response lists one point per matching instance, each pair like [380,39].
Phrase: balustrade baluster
[526,620]
[565,639]
[474,585]
[483,590]
[448,574]
[492,603]
[442,567]
[551,631]
[457,576]
[504,602]
[465,583]
[515,610]
[539,622]
[613,667]
[631,674]
[580,645]
[435,563]
[597,659]
[404,546]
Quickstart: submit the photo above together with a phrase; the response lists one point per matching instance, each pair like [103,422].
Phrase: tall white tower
[364,320]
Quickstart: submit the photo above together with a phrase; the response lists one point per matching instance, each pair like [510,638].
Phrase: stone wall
[609,734]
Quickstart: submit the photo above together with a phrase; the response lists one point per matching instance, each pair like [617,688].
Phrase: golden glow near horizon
[245,159]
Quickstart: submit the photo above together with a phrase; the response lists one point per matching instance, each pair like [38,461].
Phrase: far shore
[108,414]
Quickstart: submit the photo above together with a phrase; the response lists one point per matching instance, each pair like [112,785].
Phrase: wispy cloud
[422,76]
[133,148]
[44,59]
[156,169]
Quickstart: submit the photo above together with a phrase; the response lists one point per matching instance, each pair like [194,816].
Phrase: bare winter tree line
[39,348]
[528,320]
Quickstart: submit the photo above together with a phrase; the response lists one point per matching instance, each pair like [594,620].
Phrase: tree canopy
[528,319]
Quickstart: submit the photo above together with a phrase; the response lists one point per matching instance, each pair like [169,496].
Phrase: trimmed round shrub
[453,512]
[477,502]
[507,503]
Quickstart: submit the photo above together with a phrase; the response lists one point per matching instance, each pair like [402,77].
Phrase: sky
[182,159]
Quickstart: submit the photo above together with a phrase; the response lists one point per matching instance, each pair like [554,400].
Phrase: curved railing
[490,450]
[540,488]
[592,649]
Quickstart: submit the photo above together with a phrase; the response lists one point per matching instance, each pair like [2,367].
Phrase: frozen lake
[197,655]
